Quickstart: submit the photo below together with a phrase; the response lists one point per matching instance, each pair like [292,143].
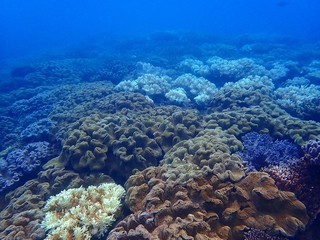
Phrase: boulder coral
[191,203]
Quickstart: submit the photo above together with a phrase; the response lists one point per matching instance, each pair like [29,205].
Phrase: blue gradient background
[28,26]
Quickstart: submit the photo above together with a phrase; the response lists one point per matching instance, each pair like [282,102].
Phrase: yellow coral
[81,213]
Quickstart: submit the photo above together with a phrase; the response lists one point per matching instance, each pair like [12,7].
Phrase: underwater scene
[160,120]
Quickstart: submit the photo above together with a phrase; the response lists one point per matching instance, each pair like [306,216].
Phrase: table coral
[190,203]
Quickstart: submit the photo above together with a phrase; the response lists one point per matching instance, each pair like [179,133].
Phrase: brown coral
[21,209]
[184,202]
[22,214]
[212,148]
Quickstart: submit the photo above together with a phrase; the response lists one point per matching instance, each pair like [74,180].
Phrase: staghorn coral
[187,202]
[80,213]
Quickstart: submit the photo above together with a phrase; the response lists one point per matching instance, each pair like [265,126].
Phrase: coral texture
[20,209]
[210,148]
[312,151]
[260,150]
[187,202]
[22,161]
[118,145]
[81,213]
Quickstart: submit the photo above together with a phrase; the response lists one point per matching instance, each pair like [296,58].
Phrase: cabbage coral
[81,213]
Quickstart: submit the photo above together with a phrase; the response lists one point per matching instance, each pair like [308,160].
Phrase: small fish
[283,3]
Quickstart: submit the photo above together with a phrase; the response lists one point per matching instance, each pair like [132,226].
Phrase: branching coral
[81,213]
[312,151]
[260,150]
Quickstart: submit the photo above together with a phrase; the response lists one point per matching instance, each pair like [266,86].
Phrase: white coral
[177,95]
[200,88]
[81,213]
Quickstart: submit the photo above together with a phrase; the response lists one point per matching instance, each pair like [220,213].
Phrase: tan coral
[211,148]
[188,203]
[182,125]
[22,214]
[118,145]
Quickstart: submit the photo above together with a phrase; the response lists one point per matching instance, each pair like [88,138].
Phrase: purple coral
[23,161]
[8,174]
[255,234]
[260,151]
[312,151]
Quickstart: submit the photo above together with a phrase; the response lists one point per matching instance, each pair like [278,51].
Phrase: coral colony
[221,142]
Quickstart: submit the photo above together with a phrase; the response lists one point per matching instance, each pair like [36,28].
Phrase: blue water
[105,88]
[27,26]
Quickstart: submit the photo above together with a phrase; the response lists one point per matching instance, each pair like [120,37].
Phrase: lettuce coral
[81,213]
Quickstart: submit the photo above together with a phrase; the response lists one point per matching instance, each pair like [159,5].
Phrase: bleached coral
[151,84]
[278,71]
[177,95]
[235,69]
[127,85]
[299,99]
[196,66]
[200,88]
[81,213]
[251,83]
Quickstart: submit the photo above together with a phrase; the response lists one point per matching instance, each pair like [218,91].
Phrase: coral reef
[200,89]
[177,95]
[151,84]
[252,108]
[21,209]
[312,151]
[118,145]
[233,70]
[190,203]
[20,162]
[80,213]
[39,131]
[254,234]
[259,150]
[212,148]
[21,212]
[300,101]
[181,125]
